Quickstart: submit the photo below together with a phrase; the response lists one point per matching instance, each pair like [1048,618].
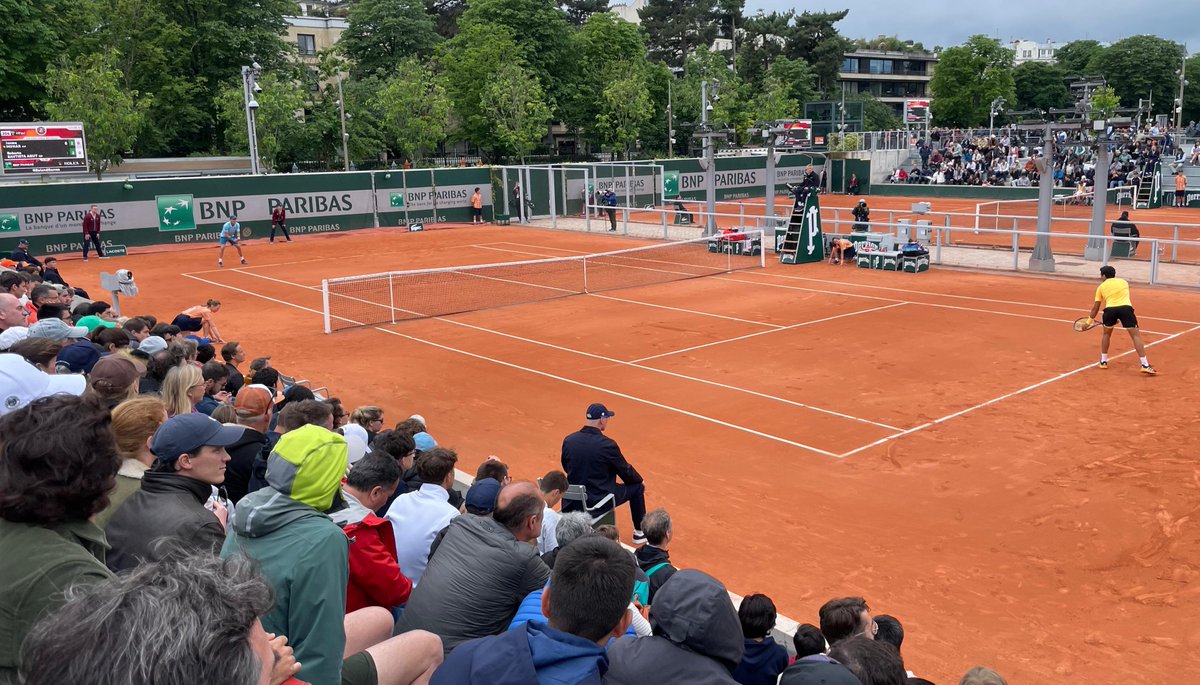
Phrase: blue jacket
[762,663]
[594,460]
[531,611]
[534,653]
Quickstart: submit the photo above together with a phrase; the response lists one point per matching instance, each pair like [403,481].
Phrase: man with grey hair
[11,312]
[185,619]
[570,527]
[653,558]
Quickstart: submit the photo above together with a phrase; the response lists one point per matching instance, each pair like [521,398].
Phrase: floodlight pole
[710,166]
[1095,249]
[249,83]
[342,116]
[1042,258]
[1179,103]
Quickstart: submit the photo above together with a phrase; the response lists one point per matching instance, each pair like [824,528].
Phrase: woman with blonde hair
[370,418]
[134,422]
[182,389]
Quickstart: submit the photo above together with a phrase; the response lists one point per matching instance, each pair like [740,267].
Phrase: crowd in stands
[1008,158]
[290,541]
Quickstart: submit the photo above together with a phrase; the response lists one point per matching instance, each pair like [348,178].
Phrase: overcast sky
[938,22]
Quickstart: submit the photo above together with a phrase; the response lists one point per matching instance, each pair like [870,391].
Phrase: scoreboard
[42,148]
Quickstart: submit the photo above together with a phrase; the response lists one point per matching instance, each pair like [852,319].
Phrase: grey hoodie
[697,638]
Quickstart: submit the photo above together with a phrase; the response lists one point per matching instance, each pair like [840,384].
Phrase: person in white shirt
[553,486]
[418,516]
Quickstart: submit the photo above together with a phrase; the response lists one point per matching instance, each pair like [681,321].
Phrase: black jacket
[649,556]
[697,638]
[818,669]
[594,460]
[169,506]
[52,276]
[241,462]
[21,256]
[236,379]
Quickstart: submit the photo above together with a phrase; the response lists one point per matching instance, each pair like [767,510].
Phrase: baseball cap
[115,371]
[423,442]
[419,419]
[22,383]
[152,345]
[253,400]
[12,336]
[56,329]
[598,411]
[93,322]
[482,494]
[190,432]
[22,241]
[79,357]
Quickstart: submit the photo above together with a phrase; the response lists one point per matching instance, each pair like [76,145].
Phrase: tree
[1040,86]
[815,40]
[415,108]
[276,121]
[626,107]
[467,60]
[1104,103]
[1140,65]
[797,77]
[601,46]
[446,14]
[516,105]
[677,28]
[382,33]
[579,11]
[1078,58]
[877,115]
[35,34]
[968,77]
[88,89]
[1191,94]
[774,101]
[888,43]
[763,41]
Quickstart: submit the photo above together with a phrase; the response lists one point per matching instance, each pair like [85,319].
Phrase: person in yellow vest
[1113,294]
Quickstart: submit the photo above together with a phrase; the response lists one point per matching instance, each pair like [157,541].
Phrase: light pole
[709,163]
[997,107]
[250,87]
[1179,103]
[342,116]
[670,121]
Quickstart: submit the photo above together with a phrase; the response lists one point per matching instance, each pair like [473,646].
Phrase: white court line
[769,274]
[754,335]
[578,352]
[1001,398]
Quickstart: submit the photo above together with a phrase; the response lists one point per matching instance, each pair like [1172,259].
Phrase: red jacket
[91,224]
[279,213]
[375,576]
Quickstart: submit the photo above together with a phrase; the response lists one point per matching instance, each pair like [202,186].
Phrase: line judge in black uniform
[594,460]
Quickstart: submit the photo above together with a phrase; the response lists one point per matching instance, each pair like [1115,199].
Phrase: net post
[584,261]
[325,304]
[391,298]
[1175,244]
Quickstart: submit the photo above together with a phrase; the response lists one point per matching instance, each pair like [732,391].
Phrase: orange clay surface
[1012,506]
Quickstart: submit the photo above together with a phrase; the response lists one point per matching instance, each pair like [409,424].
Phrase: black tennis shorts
[1124,314]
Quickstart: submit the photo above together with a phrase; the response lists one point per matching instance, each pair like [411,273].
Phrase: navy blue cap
[79,357]
[190,432]
[482,495]
[598,411]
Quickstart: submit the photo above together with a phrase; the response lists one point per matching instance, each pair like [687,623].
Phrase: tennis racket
[1082,324]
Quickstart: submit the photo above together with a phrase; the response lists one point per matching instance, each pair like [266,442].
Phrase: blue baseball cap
[598,411]
[482,494]
[423,442]
[79,357]
[190,432]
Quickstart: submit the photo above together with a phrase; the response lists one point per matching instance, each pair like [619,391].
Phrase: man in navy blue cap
[594,460]
[169,511]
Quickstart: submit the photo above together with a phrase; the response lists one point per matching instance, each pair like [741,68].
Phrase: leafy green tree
[626,107]
[888,43]
[815,40]
[467,61]
[774,101]
[601,46]
[517,107]
[382,33]
[968,77]
[1040,86]
[877,115]
[89,89]
[1140,65]
[1078,58]
[415,108]
[276,121]
[34,35]
[579,11]
[677,28]
[1191,93]
[763,41]
[446,14]
[1104,103]
[797,77]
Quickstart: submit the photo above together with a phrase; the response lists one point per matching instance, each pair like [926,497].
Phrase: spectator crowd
[170,513]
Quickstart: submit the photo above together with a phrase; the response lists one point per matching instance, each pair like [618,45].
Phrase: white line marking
[1001,398]
[563,379]
[753,335]
[688,311]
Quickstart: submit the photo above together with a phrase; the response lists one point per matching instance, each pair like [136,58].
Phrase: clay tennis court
[935,442]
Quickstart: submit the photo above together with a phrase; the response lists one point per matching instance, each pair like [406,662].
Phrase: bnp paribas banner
[739,178]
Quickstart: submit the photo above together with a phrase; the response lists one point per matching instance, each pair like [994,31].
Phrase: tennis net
[1001,214]
[395,296]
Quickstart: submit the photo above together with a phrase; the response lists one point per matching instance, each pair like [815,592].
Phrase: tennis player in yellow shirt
[1113,293]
